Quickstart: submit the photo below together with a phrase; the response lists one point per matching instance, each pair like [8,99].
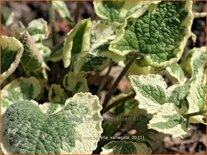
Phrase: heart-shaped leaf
[72,128]
[147,34]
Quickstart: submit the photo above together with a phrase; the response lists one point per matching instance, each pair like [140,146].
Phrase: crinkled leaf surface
[126,147]
[38,29]
[175,72]
[57,94]
[147,34]
[77,42]
[11,53]
[169,121]
[74,128]
[62,10]
[18,90]
[150,91]
[120,10]
[75,82]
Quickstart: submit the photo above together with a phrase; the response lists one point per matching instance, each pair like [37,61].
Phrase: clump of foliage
[146,38]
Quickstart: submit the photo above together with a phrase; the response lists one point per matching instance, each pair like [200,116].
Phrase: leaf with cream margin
[150,91]
[44,50]
[176,73]
[169,121]
[57,94]
[126,147]
[98,56]
[77,42]
[197,97]
[195,59]
[63,11]
[177,95]
[75,82]
[120,10]
[18,90]
[29,129]
[147,34]
[12,51]
[38,29]
[32,60]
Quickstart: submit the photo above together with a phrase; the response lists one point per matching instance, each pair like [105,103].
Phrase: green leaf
[44,50]
[91,63]
[29,129]
[7,16]
[18,90]
[120,10]
[32,60]
[197,96]
[38,29]
[126,147]
[12,51]
[57,94]
[177,94]
[175,73]
[150,91]
[75,82]
[98,55]
[169,121]
[61,8]
[195,59]
[77,42]
[147,34]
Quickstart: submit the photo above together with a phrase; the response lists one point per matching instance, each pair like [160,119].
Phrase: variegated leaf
[147,34]
[12,51]
[29,129]
[150,91]
[18,90]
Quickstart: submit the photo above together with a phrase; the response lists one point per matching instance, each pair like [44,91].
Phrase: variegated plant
[42,114]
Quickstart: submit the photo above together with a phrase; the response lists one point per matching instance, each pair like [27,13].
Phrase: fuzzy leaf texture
[154,97]
[147,34]
[150,91]
[29,128]
[18,90]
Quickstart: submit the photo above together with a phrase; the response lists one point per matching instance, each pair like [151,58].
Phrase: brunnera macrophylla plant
[146,38]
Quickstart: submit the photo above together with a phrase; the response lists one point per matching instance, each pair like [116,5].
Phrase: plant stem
[52,22]
[104,80]
[77,11]
[131,95]
[123,72]
[194,114]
